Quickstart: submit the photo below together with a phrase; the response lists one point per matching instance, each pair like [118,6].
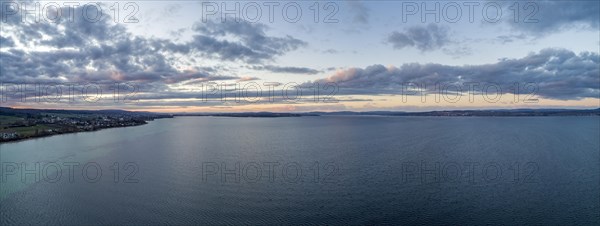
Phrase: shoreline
[65,133]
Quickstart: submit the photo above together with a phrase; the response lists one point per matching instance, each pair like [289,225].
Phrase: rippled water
[329,170]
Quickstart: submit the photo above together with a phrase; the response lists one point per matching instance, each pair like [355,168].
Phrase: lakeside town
[19,124]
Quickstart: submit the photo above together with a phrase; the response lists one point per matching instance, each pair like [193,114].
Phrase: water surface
[328,170]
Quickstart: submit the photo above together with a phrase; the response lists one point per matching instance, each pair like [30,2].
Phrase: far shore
[24,124]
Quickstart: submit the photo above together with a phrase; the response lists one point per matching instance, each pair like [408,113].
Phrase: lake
[310,170]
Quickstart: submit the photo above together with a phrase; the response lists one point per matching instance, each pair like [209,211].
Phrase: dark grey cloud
[424,38]
[288,70]
[103,52]
[542,17]
[250,42]
[84,51]
[6,42]
[558,74]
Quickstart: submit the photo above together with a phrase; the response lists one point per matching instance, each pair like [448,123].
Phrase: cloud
[248,42]
[6,42]
[361,12]
[83,51]
[558,73]
[510,38]
[247,79]
[458,51]
[104,52]
[330,51]
[289,70]
[424,38]
[543,17]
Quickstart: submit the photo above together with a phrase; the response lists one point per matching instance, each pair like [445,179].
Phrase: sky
[299,56]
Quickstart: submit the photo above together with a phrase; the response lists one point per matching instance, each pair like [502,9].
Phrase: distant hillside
[499,112]
[12,111]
